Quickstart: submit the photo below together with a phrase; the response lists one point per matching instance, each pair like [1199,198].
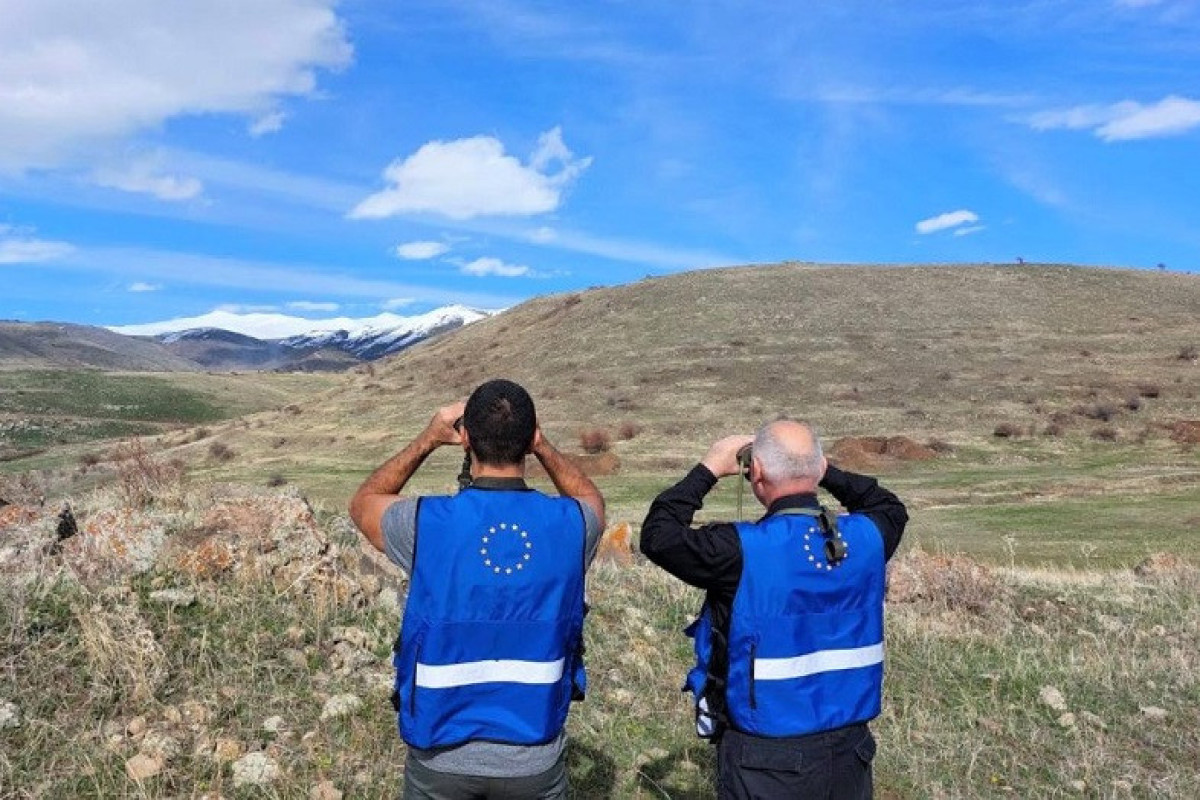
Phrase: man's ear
[466,438]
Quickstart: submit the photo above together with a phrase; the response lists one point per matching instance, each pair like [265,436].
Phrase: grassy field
[43,410]
[1032,683]
[1030,660]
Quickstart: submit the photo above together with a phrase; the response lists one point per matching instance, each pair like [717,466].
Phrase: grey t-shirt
[487,759]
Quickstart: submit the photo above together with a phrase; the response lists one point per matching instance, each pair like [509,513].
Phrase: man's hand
[441,428]
[721,458]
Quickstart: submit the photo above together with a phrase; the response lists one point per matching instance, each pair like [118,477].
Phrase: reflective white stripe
[447,676]
[780,669]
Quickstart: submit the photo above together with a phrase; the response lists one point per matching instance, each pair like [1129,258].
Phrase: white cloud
[20,246]
[397,302]
[75,75]
[144,176]
[474,177]
[1126,120]
[951,219]
[142,286]
[419,251]
[967,231]
[543,235]
[308,305]
[267,123]
[494,266]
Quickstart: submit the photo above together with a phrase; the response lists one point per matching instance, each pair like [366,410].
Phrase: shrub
[1133,402]
[90,459]
[1053,429]
[200,433]
[595,440]
[276,480]
[1007,430]
[1149,390]
[1105,433]
[140,478]
[1102,412]
[220,451]
[1188,353]
[628,430]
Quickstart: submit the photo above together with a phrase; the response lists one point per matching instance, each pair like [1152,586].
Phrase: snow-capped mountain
[228,340]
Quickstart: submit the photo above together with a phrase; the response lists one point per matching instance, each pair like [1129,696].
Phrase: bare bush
[1187,353]
[1007,430]
[1103,412]
[219,451]
[1133,402]
[1105,433]
[90,459]
[628,430]
[1053,429]
[276,480]
[595,440]
[1149,390]
[141,478]
[123,655]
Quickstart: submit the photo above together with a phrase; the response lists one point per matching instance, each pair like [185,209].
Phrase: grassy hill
[195,630]
[56,345]
[1087,371]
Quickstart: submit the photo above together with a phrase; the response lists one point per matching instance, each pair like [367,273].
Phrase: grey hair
[778,462]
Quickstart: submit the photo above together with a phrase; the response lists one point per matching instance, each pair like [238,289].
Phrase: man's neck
[479,470]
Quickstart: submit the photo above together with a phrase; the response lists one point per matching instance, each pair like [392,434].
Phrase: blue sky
[322,158]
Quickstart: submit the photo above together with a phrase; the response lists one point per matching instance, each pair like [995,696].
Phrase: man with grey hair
[789,642]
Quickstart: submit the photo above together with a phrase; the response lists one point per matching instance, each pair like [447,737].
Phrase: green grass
[88,393]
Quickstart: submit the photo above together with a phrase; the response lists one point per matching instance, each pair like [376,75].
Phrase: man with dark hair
[489,654]
[789,642]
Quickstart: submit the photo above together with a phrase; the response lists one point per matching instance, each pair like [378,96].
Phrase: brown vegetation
[867,452]
[595,440]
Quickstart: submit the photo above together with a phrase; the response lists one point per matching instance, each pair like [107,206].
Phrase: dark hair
[500,421]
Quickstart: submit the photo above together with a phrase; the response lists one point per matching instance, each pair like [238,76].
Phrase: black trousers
[830,766]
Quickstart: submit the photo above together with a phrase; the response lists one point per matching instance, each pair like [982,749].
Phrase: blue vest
[491,643]
[805,637]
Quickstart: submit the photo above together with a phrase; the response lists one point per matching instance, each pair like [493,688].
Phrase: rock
[1153,713]
[356,637]
[135,727]
[616,545]
[196,712]
[1052,697]
[325,790]
[160,745]
[340,705]
[1079,786]
[226,749]
[173,598]
[273,724]
[388,599]
[255,769]
[10,715]
[142,766]
[1067,720]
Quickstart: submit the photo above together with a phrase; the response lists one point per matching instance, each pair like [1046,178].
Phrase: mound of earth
[1186,431]
[868,452]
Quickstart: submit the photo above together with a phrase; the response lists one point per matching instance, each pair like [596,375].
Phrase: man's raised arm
[568,478]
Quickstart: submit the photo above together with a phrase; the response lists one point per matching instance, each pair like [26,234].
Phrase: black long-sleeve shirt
[710,556]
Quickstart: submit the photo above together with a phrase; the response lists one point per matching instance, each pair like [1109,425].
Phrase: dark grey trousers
[422,783]
[830,766]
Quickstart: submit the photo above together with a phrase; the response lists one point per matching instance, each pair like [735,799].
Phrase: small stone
[227,749]
[1067,720]
[173,715]
[135,727]
[325,790]
[1052,697]
[1158,630]
[1079,786]
[173,598]
[273,724]
[255,769]
[295,634]
[340,705]
[388,599]
[160,745]
[10,715]
[196,712]
[142,766]
[1153,713]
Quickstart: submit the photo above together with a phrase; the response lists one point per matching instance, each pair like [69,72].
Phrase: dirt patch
[616,545]
[1186,431]
[867,452]
[591,464]
[954,582]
